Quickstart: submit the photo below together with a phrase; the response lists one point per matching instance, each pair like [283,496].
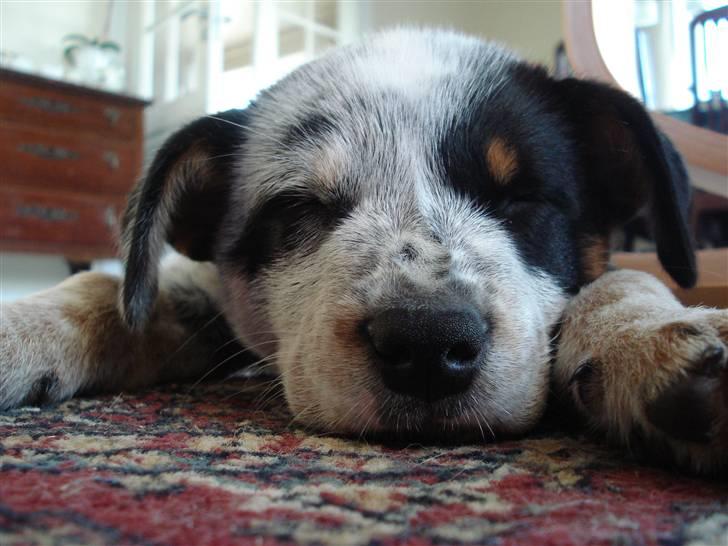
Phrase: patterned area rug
[213,467]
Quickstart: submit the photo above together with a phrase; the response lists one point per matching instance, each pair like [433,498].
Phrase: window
[229,50]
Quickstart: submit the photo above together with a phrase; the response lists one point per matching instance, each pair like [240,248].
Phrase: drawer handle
[48,105]
[112,159]
[55,153]
[47,214]
[112,115]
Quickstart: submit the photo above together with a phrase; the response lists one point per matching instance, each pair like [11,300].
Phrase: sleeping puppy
[403,229]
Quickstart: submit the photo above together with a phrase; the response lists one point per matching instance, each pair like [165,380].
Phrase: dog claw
[40,393]
[587,384]
[583,373]
[712,362]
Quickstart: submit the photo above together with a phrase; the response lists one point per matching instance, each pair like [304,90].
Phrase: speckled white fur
[402,198]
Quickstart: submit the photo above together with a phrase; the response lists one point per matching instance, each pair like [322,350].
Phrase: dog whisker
[228,342]
[216,367]
[250,388]
[192,337]
[271,391]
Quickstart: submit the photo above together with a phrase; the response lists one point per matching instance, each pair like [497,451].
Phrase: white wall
[36,29]
[531,27]
[23,274]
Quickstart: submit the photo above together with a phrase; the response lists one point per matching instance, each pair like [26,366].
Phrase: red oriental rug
[213,467]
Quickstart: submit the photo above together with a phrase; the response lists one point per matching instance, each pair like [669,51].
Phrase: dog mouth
[397,418]
[438,371]
[400,418]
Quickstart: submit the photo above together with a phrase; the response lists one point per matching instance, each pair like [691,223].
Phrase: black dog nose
[427,353]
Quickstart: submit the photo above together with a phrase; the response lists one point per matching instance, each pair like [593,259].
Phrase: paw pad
[687,409]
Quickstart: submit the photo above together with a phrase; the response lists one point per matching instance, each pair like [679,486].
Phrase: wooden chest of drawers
[68,157]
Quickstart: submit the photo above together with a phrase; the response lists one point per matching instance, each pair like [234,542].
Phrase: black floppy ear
[630,165]
[181,200]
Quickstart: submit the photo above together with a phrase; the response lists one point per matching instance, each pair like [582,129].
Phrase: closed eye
[525,198]
[296,221]
[519,203]
[289,218]
[295,207]
[293,221]
[291,206]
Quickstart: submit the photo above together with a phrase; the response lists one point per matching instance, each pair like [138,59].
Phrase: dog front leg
[71,339]
[645,370]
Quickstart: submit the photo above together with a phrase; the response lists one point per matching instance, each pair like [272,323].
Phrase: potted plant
[90,60]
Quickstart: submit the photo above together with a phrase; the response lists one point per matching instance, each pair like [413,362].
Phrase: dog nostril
[386,347]
[462,352]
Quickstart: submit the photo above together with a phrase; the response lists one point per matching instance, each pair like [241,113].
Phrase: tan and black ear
[180,201]
[631,167]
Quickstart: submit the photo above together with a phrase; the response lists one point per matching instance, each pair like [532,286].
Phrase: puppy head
[399,225]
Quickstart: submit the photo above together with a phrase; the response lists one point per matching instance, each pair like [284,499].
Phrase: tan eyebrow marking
[502,160]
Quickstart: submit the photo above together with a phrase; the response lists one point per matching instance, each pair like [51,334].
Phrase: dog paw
[30,383]
[663,389]
[42,391]
[690,408]
[34,366]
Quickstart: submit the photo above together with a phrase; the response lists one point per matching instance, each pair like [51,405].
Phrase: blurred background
[89,89]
